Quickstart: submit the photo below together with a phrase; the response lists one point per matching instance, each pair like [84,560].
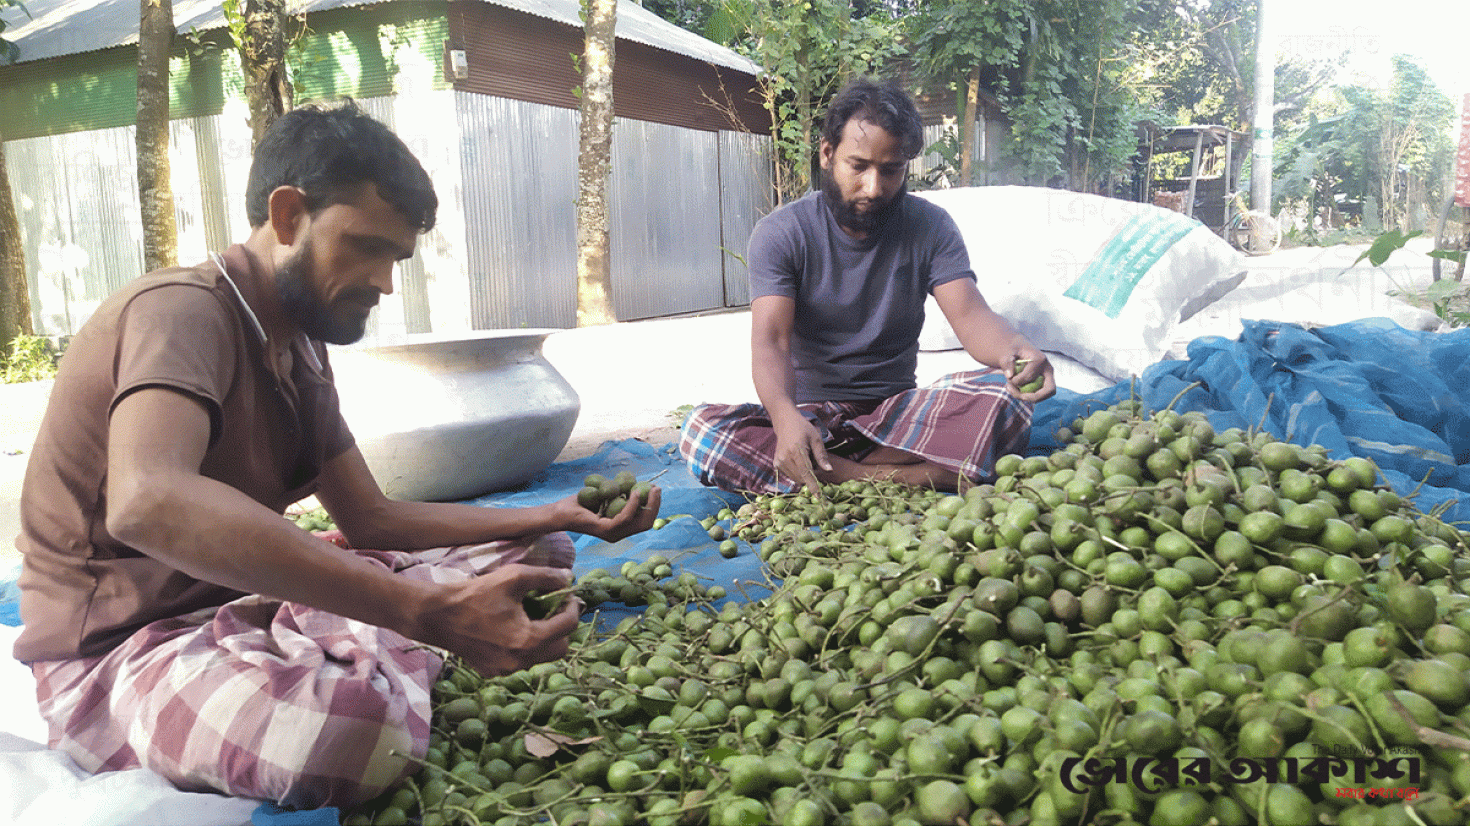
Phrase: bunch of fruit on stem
[1153,590]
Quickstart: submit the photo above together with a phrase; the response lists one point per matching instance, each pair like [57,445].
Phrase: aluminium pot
[445,418]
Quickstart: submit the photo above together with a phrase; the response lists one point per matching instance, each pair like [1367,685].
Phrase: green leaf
[1385,245]
[715,755]
[1448,255]
[1441,290]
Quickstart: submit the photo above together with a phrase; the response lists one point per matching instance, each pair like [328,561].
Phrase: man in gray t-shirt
[838,284]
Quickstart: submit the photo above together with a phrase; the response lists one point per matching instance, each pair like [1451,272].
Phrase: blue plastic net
[1366,388]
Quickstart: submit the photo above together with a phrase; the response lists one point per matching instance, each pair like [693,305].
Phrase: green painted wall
[345,52]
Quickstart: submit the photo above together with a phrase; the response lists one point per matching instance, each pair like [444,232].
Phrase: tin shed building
[691,152]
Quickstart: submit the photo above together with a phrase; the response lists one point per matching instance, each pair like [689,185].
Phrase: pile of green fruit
[1155,589]
[316,519]
[608,497]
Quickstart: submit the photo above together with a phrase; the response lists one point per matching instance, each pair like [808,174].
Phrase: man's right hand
[483,620]
[798,446]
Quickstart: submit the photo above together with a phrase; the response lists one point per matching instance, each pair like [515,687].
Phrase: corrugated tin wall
[519,191]
[502,253]
[77,200]
[358,52]
[746,194]
[98,90]
[665,221]
[526,57]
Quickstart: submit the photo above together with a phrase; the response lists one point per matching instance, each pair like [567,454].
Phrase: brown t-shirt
[81,591]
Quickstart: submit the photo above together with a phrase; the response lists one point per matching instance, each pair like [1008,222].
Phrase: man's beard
[341,322]
[846,214]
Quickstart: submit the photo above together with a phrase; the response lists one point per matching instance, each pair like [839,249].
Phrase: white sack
[1102,280]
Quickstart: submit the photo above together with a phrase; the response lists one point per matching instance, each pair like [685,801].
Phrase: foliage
[31,358]
[806,51]
[679,414]
[1385,245]
[1358,146]
[945,172]
[1450,300]
[1058,68]
[9,53]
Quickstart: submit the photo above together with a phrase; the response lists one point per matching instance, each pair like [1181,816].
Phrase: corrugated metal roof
[63,27]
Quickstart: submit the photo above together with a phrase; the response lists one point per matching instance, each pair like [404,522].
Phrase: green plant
[946,171]
[680,413]
[1450,300]
[1386,244]
[31,358]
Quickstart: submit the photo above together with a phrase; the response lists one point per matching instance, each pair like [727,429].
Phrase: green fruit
[1021,725]
[1446,639]
[1341,730]
[748,773]
[805,812]
[1276,582]
[1262,527]
[1152,731]
[1412,606]
[942,803]
[1323,617]
[1288,805]
[1440,682]
[1367,646]
[1393,722]
[1283,652]
[1279,456]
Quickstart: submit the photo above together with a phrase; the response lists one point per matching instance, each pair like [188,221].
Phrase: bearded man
[838,283]
[173,619]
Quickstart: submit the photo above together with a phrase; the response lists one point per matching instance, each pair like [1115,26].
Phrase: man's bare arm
[159,504]
[991,340]
[798,445]
[368,519]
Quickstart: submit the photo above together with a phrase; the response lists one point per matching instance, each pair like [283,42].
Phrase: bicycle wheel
[1454,236]
[1254,233]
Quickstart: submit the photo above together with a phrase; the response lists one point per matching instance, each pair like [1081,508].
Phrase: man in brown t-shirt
[174,620]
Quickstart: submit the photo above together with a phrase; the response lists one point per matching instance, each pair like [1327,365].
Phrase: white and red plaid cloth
[963,422]
[266,699]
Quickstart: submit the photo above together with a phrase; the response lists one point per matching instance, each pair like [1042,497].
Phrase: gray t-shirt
[859,304]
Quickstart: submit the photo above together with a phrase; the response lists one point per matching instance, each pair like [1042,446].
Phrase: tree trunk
[263,59]
[970,120]
[15,296]
[155,40]
[594,166]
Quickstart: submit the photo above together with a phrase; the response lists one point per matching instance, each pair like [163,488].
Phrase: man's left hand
[635,517]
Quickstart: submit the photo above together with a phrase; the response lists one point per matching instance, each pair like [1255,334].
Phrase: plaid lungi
[963,422]
[267,699]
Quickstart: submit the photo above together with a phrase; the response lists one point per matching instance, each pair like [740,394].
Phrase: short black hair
[326,151]
[882,103]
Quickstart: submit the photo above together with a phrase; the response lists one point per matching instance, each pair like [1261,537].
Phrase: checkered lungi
[963,422]
[267,699]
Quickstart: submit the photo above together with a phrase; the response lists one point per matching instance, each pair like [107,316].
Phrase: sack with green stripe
[1101,280]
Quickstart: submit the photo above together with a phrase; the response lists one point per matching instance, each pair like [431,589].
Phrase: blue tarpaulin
[1367,388]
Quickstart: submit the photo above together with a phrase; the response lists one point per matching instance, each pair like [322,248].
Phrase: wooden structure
[1208,175]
